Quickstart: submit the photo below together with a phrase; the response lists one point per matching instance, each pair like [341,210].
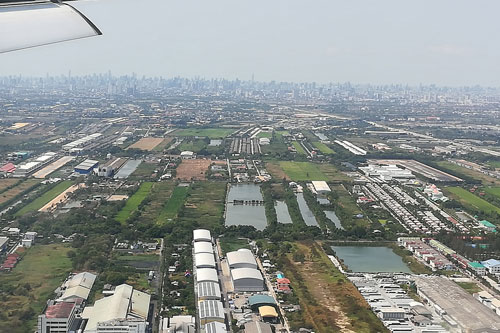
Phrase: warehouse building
[256,301]
[321,187]
[78,286]
[204,260]
[210,311]
[215,327]
[110,167]
[247,279]
[124,311]
[206,275]
[243,258]
[202,235]
[86,167]
[268,313]
[4,241]
[208,291]
[59,318]
[258,327]
[203,247]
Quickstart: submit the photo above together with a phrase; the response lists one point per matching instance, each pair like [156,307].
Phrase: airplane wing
[25,24]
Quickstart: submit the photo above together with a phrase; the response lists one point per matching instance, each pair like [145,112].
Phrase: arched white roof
[201,235]
[246,273]
[206,274]
[241,257]
[203,247]
[204,260]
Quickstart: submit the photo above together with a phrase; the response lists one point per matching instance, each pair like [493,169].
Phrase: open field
[7,182]
[143,171]
[265,135]
[18,189]
[470,287]
[346,208]
[133,202]
[45,198]
[276,171]
[44,172]
[302,171]
[469,199]
[212,133]
[193,169]
[333,173]
[494,164]
[173,204]
[323,148]
[493,191]
[146,144]
[204,207]
[30,284]
[164,144]
[195,145]
[485,179]
[329,301]
[157,198]
[229,244]
[299,148]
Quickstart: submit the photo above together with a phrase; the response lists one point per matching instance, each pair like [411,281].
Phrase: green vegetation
[204,207]
[173,205]
[196,145]
[26,289]
[133,202]
[45,198]
[494,164]
[470,287]
[467,173]
[471,200]
[493,191]
[229,244]
[164,144]
[302,171]
[299,148]
[212,133]
[144,171]
[346,210]
[265,135]
[323,148]
[17,191]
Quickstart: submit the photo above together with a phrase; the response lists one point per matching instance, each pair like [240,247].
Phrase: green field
[25,290]
[265,135]
[302,171]
[229,244]
[470,287]
[173,205]
[494,164]
[323,148]
[211,133]
[133,202]
[485,179]
[45,198]
[193,145]
[493,191]
[470,199]
[299,148]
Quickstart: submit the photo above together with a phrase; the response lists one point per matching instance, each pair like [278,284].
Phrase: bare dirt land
[146,144]
[193,169]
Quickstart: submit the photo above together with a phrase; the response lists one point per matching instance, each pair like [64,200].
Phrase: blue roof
[490,263]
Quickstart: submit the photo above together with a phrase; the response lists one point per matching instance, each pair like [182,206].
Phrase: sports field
[299,148]
[45,198]
[211,133]
[173,204]
[31,284]
[468,198]
[323,148]
[302,171]
[133,202]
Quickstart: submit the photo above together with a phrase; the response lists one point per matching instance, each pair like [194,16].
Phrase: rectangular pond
[307,214]
[245,206]
[282,212]
[333,217]
[370,259]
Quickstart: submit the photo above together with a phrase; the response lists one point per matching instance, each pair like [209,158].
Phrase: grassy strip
[16,192]
[212,133]
[323,148]
[26,289]
[469,199]
[133,202]
[407,257]
[299,148]
[173,205]
[495,191]
[470,287]
[45,198]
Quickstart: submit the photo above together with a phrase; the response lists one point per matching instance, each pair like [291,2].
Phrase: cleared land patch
[146,144]
[276,171]
[163,144]
[6,183]
[42,269]
[133,202]
[17,190]
[470,199]
[193,169]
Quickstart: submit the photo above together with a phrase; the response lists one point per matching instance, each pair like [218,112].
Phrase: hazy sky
[447,42]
